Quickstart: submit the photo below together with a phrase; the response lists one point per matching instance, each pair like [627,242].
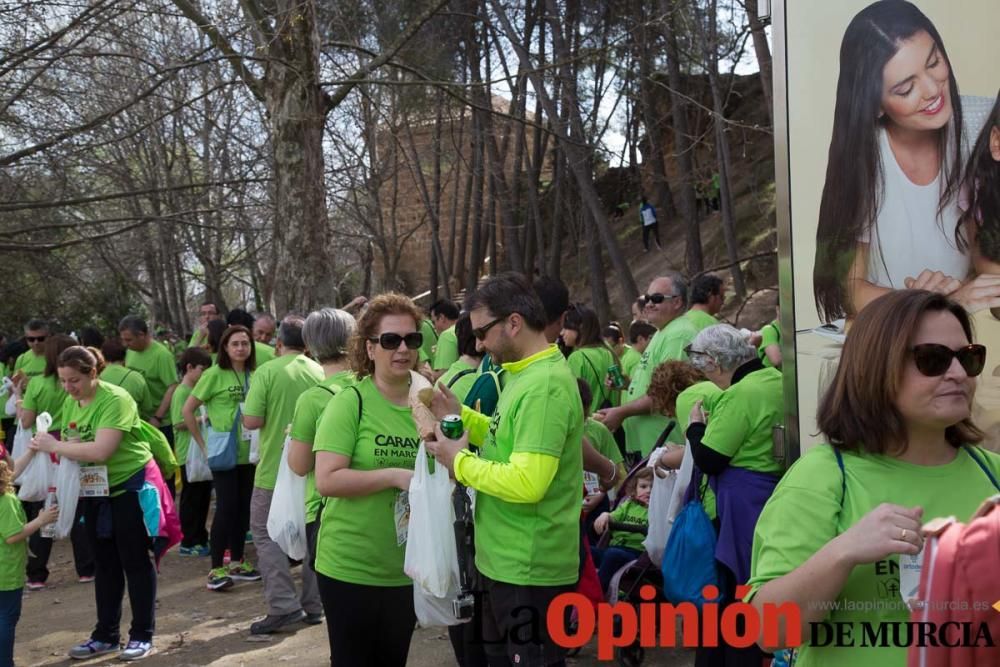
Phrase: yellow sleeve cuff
[524,479]
[476,424]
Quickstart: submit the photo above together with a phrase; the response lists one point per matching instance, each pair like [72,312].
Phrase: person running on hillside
[650,225]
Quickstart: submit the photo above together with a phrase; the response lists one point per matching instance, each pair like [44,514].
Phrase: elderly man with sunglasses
[32,362]
[665,307]
[527,474]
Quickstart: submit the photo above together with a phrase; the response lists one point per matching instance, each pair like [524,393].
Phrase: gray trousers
[279,589]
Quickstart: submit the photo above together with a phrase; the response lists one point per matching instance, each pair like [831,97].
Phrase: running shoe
[270,624]
[248,538]
[91,649]
[244,571]
[226,558]
[85,579]
[219,579]
[35,585]
[197,551]
[136,650]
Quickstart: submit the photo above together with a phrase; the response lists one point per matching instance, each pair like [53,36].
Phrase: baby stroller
[631,577]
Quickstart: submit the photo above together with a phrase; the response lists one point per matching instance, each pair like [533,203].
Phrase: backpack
[689,559]
[960,565]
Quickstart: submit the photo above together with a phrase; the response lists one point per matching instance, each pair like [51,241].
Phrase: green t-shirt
[805,512]
[668,343]
[221,390]
[32,364]
[45,394]
[534,544]
[182,437]
[769,335]
[308,411]
[357,536]
[630,357]
[263,352]
[708,393]
[13,557]
[602,440]
[158,368]
[464,383]
[633,513]
[447,349]
[132,382]
[591,365]
[111,407]
[700,318]
[273,393]
[743,419]
[430,340]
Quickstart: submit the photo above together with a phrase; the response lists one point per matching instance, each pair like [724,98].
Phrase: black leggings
[122,556]
[367,625]
[196,497]
[233,489]
[40,548]
[646,230]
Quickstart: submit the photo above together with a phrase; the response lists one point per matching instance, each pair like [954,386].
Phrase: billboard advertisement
[878,109]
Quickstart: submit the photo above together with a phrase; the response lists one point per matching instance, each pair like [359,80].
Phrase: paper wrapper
[421,393]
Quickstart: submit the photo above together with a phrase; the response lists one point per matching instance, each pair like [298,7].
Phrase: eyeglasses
[690,351]
[933,359]
[391,341]
[655,298]
[35,339]
[481,332]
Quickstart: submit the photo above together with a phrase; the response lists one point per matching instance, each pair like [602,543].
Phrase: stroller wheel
[631,656]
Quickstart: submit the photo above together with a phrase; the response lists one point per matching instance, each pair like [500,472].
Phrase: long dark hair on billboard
[854,173]
[982,179]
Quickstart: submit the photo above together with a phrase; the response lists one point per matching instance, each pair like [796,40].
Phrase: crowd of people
[557,409]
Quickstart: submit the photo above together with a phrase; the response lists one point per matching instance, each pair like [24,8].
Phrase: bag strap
[459,375]
[600,378]
[327,389]
[239,408]
[663,435]
[982,464]
[360,401]
[843,475]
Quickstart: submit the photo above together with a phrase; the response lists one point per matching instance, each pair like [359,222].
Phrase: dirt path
[198,627]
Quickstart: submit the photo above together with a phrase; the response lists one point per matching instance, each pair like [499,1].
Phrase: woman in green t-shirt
[222,389]
[590,359]
[365,446]
[45,394]
[102,431]
[461,375]
[898,419]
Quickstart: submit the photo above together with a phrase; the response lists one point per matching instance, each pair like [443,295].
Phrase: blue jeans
[10,612]
[610,560]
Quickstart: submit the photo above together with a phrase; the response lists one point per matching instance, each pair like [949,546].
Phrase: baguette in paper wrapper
[421,393]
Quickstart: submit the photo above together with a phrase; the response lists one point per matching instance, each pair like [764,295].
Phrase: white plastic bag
[665,505]
[431,555]
[36,478]
[196,465]
[286,521]
[254,438]
[22,436]
[436,611]
[67,483]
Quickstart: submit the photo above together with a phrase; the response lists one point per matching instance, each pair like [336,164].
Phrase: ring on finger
[903,535]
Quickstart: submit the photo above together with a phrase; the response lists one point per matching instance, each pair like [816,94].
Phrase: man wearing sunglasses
[32,362]
[527,473]
[664,306]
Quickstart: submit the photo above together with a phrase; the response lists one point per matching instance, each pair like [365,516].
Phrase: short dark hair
[133,323]
[54,346]
[212,304]
[613,330]
[508,293]
[445,307]
[223,356]
[858,412]
[238,316]
[704,287]
[640,328]
[215,330]
[554,296]
[290,332]
[466,339]
[193,356]
[113,350]
[35,324]
[91,337]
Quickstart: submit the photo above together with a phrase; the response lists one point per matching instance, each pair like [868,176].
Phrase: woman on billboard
[890,208]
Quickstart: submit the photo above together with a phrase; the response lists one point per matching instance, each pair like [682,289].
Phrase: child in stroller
[626,525]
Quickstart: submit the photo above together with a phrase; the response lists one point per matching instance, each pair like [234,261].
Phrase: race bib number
[591,483]
[94,482]
[401,516]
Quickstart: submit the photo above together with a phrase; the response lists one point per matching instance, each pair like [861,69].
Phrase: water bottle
[49,530]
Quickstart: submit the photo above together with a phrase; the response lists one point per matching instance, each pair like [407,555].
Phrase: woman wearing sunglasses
[902,451]
[365,445]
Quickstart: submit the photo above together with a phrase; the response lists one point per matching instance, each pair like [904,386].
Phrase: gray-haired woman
[734,449]
[326,333]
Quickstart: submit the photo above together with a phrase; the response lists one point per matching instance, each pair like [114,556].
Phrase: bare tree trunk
[655,140]
[763,52]
[476,244]
[595,264]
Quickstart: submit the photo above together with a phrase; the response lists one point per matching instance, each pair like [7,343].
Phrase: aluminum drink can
[617,379]
[451,426]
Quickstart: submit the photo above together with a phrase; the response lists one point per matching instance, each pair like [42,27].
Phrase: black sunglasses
[481,332]
[35,339]
[391,341]
[933,359]
[656,298]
